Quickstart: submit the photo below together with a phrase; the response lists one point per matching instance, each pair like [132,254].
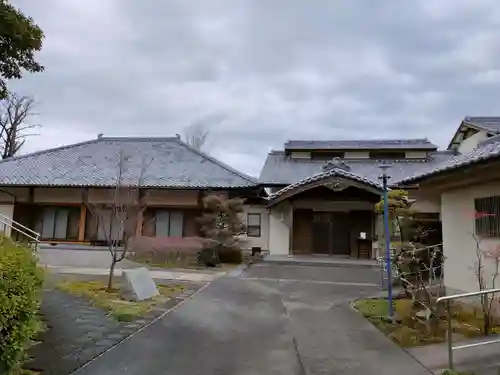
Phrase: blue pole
[387,245]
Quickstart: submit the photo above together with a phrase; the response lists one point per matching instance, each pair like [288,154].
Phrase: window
[253,225]
[381,155]
[327,155]
[169,223]
[487,216]
[60,223]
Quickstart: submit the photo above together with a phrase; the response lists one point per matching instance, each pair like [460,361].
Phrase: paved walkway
[265,326]
[75,260]
[155,274]
[481,360]
[78,331]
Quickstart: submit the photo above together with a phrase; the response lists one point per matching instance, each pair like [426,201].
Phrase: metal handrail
[20,228]
[2,216]
[448,300]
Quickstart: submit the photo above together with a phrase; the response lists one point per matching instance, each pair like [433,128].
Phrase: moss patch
[409,332]
[120,309]
[166,263]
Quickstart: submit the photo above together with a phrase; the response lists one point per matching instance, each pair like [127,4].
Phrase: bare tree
[487,270]
[119,219]
[196,135]
[15,114]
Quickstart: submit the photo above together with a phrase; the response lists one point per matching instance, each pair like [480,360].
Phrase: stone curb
[319,264]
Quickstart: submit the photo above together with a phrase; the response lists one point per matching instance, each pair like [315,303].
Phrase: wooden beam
[81,224]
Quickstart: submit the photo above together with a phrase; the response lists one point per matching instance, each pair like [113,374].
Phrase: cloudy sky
[260,72]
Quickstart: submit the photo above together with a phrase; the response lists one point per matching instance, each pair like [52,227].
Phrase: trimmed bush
[168,251]
[20,286]
[228,255]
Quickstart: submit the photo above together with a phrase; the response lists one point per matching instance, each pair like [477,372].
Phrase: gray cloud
[260,72]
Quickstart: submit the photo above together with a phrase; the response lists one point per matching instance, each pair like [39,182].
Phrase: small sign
[362,235]
[138,285]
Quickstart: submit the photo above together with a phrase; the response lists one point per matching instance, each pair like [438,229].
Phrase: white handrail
[9,219]
[20,228]
[449,341]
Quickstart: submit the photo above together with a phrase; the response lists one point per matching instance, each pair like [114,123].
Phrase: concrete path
[96,262]
[481,360]
[201,277]
[255,325]
[71,257]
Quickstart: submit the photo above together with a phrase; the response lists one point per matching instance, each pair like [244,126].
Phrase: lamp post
[387,236]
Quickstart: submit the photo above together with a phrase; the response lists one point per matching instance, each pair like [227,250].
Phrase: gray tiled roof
[281,170]
[170,164]
[490,124]
[375,144]
[488,151]
[335,172]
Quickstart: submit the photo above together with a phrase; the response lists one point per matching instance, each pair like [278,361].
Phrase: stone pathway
[78,332]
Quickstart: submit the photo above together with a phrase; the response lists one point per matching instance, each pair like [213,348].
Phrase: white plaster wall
[263,240]
[470,143]
[457,215]
[8,211]
[425,203]
[280,222]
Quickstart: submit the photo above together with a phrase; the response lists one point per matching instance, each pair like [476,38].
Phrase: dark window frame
[258,228]
[389,155]
[71,213]
[327,155]
[169,211]
[487,216]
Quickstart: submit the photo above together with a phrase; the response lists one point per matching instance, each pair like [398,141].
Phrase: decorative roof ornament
[336,163]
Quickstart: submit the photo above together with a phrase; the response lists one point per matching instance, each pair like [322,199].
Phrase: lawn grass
[120,309]
[410,332]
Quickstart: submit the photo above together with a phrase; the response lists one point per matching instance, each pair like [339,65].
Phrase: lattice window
[487,216]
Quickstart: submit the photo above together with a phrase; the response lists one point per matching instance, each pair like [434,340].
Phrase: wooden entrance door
[331,233]
[322,233]
[340,233]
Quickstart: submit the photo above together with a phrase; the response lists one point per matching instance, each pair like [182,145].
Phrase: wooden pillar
[140,219]
[81,225]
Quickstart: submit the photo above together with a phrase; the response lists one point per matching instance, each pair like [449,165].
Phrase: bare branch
[15,114]
[119,219]
[196,135]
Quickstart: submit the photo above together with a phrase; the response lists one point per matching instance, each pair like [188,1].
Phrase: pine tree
[221,220]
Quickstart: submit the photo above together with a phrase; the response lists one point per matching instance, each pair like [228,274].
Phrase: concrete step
[323,261]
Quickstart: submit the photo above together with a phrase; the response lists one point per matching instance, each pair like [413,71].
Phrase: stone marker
[138,285]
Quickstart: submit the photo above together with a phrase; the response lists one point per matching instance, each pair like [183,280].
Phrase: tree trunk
[486,315]
[111,273]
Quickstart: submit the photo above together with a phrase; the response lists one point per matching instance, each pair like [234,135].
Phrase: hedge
[20,288]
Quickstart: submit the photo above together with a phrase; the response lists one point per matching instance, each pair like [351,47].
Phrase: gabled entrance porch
[331,213]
